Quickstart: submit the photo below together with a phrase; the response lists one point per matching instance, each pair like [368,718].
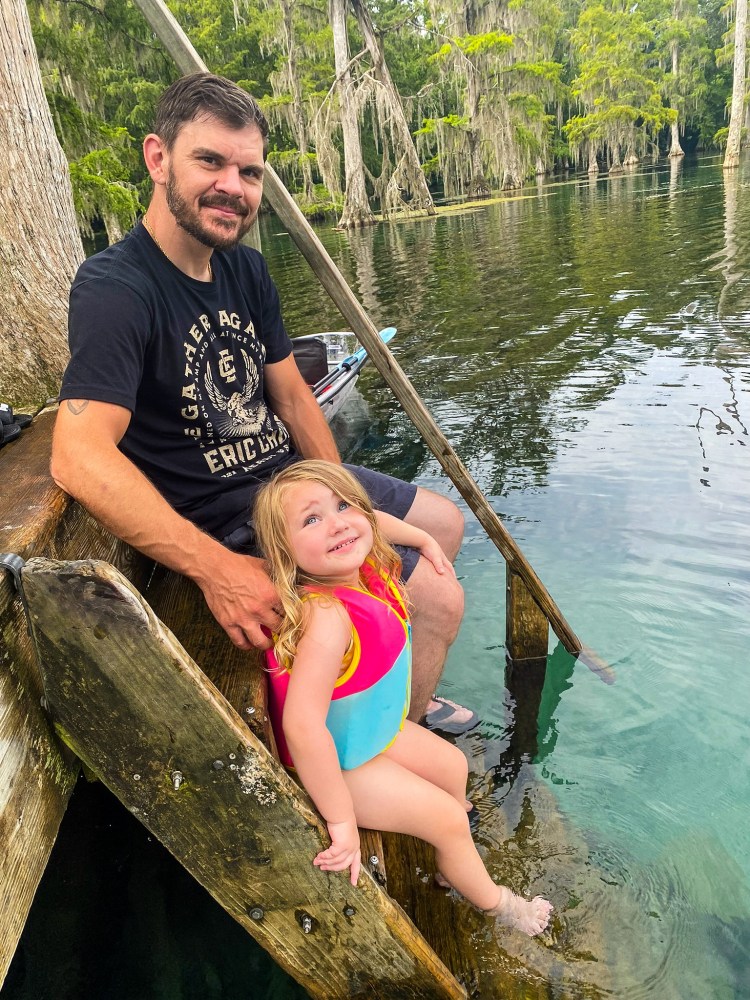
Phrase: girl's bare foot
[530,917]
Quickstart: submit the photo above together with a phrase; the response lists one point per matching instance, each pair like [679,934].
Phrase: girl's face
[329,539]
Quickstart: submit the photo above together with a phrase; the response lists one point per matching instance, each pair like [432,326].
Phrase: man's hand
[241,597]
[344,850]
[432,552]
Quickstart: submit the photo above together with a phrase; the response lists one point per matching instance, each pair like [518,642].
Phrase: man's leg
[437,608]
[437,601]
[440,517]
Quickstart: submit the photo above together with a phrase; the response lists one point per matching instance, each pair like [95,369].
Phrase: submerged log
[146,720]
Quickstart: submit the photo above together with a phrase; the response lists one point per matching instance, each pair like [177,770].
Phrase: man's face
[215,181]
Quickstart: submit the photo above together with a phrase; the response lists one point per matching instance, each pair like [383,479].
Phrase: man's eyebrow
[204,151]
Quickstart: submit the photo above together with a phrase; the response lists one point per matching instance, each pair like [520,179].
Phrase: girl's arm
[317,665]
[398,532]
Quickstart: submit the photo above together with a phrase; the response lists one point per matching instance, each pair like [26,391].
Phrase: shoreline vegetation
[445,100]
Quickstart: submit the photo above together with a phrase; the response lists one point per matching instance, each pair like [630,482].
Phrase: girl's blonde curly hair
[273,536]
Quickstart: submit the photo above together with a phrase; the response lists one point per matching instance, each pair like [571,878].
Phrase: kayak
[330,363]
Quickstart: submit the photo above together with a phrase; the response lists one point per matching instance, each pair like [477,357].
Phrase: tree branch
[102,13]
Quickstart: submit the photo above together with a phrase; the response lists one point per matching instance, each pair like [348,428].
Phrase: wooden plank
[237,673]
[39,519]
[35,779]
[137,709]
[36,774]
[526,625]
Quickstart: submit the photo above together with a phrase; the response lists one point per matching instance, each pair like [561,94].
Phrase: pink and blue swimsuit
[371,698]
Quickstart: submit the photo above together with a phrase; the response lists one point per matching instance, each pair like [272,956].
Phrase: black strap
[14,565]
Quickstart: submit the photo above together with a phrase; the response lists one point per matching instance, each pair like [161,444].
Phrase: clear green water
[586,348]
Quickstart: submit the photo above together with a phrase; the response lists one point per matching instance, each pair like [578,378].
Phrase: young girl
[340,680]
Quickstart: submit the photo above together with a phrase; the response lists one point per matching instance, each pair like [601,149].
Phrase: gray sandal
[440,718]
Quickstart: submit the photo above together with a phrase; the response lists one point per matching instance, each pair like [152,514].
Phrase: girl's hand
[432,552]
[344,850]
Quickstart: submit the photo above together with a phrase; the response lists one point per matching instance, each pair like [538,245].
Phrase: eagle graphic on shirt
[240,414]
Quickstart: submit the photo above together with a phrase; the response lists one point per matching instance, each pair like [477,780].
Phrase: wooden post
[526,625]
[146,720]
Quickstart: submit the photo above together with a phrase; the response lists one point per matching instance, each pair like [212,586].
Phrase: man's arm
[292,401]
[88,465]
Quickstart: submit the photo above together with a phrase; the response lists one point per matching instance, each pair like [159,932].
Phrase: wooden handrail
[181,49]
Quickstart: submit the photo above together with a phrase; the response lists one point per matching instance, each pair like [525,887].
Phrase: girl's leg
[389,796]
[432,758]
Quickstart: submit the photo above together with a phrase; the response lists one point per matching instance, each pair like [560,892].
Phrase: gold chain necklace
[152,234]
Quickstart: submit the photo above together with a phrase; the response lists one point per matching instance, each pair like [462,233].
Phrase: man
[182,395]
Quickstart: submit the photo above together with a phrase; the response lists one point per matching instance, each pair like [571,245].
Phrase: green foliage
[431,167]
[429,125]
[492,41]
[499,86]
[719,139]
[101,191]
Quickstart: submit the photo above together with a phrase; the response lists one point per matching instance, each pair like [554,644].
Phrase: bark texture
[407,176]
[356,211]
[675,148]
[40,247]
[299,125]
[732,157]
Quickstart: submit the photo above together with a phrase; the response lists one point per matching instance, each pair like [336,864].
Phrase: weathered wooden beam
[138,710]
[526,625]
[36,776]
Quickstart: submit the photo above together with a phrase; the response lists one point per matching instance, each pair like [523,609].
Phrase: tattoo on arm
[77,406]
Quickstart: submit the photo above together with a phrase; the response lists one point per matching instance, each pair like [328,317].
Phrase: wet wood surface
[526,625]
[137,710]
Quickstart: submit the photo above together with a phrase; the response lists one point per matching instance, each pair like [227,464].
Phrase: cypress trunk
[40,246]
[732,157]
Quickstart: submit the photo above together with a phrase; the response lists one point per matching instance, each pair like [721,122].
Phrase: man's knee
[437,599]
[440,517]
[452,525]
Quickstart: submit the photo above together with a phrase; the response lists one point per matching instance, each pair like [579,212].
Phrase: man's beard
[188,219]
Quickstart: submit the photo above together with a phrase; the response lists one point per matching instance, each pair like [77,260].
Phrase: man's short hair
[200,94]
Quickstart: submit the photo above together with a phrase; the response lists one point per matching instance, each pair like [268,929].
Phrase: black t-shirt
[186,357]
